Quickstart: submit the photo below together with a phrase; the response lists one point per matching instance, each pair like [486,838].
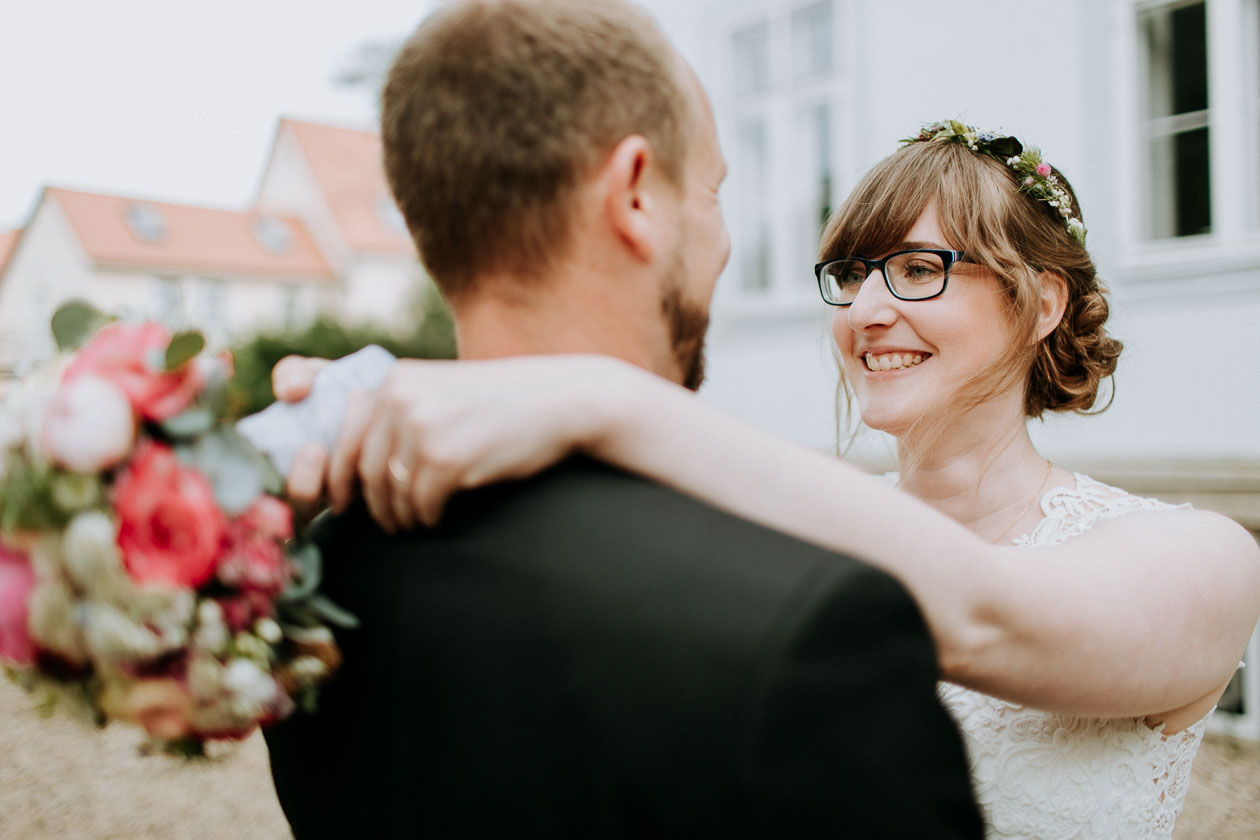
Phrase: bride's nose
[874,305]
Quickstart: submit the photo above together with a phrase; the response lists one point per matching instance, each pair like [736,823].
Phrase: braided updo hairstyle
[1021,239]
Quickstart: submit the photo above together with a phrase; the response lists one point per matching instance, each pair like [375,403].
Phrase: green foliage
[36,497]
[432,338]
[75,322]
[237,472]
[184,347]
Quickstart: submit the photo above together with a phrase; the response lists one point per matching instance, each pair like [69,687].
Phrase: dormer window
[273,235]
[146,222]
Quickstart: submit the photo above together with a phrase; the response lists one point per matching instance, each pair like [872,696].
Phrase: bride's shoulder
[1149,521]
[1093,511]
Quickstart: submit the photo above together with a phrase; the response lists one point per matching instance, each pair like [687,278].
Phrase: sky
[172,100]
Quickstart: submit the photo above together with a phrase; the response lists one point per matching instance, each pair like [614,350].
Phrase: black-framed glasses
[921,274]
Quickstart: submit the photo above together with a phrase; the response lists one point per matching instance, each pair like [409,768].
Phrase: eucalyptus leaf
[231,465]
[188,424]
[183,348]
[75,322]
[310,572]
[331,613]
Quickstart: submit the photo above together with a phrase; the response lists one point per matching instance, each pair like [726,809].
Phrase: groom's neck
[547,320]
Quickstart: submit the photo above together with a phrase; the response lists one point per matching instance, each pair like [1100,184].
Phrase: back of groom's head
[494,112]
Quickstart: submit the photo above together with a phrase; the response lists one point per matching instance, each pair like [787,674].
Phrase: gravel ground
[60,780]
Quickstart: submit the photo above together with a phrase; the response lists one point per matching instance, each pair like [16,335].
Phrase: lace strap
[1070,511]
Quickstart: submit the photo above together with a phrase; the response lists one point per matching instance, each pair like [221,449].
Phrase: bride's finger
[293,376]
[374,473]
[305,482]
[403,468]
[343,464]
[430,492]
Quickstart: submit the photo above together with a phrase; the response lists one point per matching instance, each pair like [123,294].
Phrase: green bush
[328,338]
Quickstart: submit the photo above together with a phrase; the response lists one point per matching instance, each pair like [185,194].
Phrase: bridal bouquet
[148,571]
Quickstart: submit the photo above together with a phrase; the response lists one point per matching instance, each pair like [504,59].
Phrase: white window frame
[1233,245]
[779,106]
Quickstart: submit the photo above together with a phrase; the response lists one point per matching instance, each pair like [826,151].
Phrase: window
[1253,54]
[146,222]
[170,302]
[273,235]
[785,100]
[213,306]
[811,40]
[1179,198]
[814,133]
[752,59]
[752,156]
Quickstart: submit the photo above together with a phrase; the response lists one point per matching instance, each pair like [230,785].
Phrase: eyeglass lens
[913,275]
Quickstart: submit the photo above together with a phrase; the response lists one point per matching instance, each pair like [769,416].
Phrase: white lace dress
[1053,776]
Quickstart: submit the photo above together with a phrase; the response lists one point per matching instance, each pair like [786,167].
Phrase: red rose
[16,582]
[169,527]
[122,353]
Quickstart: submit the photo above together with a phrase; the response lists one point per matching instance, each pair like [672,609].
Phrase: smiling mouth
[894,361]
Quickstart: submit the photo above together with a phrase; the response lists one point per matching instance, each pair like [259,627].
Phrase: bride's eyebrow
[915,245]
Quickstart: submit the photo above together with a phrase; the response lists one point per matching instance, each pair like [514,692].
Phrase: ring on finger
[398,470]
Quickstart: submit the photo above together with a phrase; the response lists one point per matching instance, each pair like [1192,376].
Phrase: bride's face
[906,359]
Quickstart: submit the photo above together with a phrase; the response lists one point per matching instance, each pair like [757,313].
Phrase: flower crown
[1035,176]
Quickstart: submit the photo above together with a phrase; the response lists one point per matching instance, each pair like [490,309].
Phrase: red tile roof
[8,242]
[189,239]
[346,165]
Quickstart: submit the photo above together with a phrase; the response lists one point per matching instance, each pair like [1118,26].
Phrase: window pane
[752,59]
[1181,198]
[813,187]
[753,225]
[811,39]
[1177,49]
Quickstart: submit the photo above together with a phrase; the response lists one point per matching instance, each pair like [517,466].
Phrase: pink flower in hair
[1043,169]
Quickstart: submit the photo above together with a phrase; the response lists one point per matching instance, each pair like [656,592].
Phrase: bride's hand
[291,381]
[437,427]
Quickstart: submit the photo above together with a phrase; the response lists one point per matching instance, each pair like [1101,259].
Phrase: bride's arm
[1141,615]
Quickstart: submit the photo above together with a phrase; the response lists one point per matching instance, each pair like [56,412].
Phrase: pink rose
[89,425]
[121,353]
[1043,169]
[240,612]
[169,527]
[16,582]
[270,517]
[253,557]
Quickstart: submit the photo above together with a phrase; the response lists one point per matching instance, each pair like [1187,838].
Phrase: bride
[1085,634]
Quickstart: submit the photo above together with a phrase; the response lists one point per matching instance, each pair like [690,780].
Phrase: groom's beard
[688,322]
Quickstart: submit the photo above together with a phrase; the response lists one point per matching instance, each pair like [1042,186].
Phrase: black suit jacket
[587,654]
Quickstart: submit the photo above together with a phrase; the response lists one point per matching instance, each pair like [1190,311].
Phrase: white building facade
[322,237]
[1151,108]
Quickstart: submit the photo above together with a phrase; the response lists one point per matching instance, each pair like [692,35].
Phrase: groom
[586,654]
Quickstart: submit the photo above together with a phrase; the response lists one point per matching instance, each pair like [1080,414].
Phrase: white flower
[309,668]
[89,425]
[252,688]
[253,647]
[53,620]
[90,549]
[212,637]
[111,635]
[267,630]
[205,677]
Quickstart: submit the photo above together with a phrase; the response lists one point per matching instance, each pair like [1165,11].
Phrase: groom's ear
[634,197]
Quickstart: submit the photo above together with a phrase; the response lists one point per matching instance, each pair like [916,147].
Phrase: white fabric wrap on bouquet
[281,429]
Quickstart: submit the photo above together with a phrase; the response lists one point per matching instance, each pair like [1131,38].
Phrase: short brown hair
[495,110]
[983,213]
